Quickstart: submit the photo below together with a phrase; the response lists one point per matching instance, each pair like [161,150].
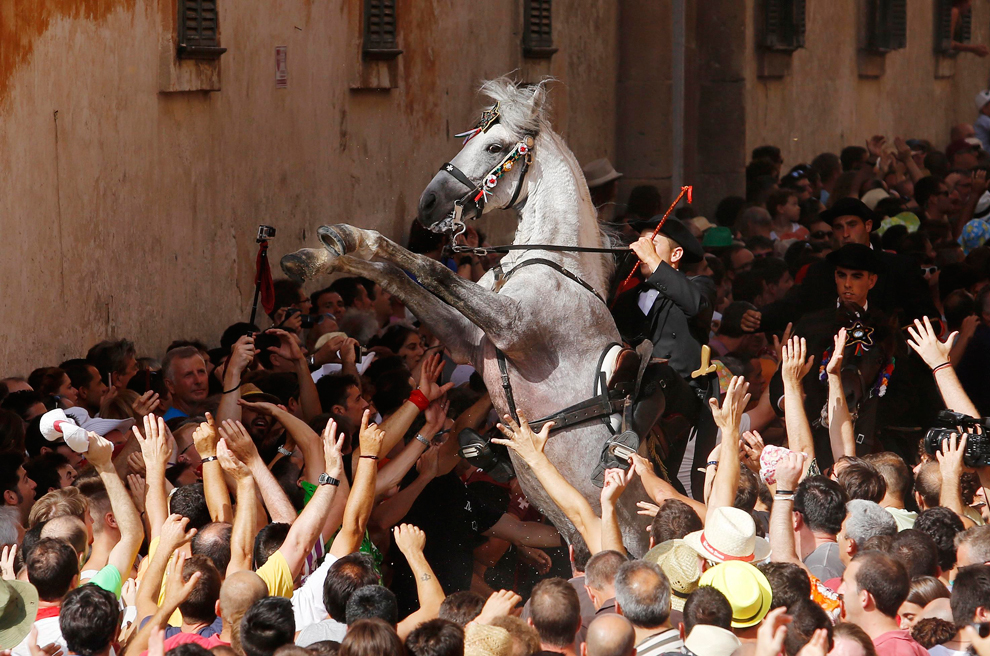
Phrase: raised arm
[936,355]
[128,519]
[615,484]
[173,535]
[840,424]
[795,366]
[176,592]
[524,534]
[361,500]
[411,541]
[155,450]
[288,349]
[214,487]
[789,471]
[904,155]
[391,511]
[305,437]
[306,529]
[243,532]
[658,489]
[950,465]
[241,356]
[727,417]
[241,444]
[529,446]
[395,469]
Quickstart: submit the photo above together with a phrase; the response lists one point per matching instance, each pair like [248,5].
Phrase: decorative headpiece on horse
[479,192]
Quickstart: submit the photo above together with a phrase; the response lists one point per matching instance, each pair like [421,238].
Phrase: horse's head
[489,171]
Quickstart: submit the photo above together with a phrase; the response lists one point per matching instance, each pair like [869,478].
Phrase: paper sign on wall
[281,67]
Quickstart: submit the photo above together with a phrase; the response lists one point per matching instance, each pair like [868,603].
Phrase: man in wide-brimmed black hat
[900,286]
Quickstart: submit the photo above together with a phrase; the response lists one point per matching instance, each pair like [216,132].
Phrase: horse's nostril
[428,202]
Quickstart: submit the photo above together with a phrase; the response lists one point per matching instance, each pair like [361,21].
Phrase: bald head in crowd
[69,528]
[610,635]
[238,592]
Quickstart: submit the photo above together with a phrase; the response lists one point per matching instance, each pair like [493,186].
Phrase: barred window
[379,40]
[783,24]
[538,29]
[199,30]
[887,25]
[943,27]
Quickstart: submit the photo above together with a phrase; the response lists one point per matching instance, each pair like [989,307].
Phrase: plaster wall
[129,212]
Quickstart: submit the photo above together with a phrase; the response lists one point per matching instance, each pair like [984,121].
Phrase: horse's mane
[523,106]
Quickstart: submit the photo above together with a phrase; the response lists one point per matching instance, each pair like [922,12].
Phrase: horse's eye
[494,148]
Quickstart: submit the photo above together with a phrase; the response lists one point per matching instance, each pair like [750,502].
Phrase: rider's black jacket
[678,321]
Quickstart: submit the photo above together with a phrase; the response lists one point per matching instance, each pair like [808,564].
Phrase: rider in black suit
[900,288]
[674,312]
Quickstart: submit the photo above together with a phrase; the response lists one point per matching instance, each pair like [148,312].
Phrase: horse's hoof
[305,263]
[333,240]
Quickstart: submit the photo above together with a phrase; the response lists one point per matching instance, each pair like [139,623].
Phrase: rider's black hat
[676,230]
[856,257]
[850,207]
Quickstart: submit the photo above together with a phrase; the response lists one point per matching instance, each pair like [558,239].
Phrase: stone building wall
[130,194]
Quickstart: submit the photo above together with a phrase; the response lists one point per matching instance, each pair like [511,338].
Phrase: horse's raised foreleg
[459,335]
[498,316]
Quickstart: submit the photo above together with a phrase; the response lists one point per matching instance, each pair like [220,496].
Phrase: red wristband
[419,400]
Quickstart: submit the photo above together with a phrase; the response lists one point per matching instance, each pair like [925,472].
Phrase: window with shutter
[538,29]
[199,31]
[887,25]
[783,24]
[380,30]
[943,27]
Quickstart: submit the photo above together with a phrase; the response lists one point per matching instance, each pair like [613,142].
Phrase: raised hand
[499,604]
[535,558]
[135,462]
[615,484]
[737,397]
[370,436]
[174,533]
[436,413]
[176,591]
[428,464]
[138,488]
[205,437]
[795,362]
[875,145]
[834,367]
[646,251]
[7,558]
[647,508]
[332,445]
[925,342]
[950,456]
[242,354]
[752,448]
[522,439]
[771,634]
[431,367]
[100,451]
[789,471]
[230,462]
[751,320]
[238,440]
[409,539]
[146,403]
[778,343]
[261,407]
[155,444]
[288,347]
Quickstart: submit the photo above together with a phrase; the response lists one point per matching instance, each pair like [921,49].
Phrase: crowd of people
[300,490]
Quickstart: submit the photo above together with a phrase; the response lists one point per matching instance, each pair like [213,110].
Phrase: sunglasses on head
[929,270]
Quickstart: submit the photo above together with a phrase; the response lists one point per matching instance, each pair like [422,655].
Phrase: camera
[265,232]
[977,452]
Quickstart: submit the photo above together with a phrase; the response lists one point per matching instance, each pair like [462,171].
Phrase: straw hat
[599,172]
[746,588]
[729,534]
[18,608]
[484,640]
[680,564]
[712,640]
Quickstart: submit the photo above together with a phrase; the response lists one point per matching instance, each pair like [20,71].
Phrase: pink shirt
[898,643]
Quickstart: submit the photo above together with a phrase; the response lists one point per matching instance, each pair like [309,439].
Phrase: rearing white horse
[551,329]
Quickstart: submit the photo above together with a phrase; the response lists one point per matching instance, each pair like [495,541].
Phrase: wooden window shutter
[199,30]
[784,24]
[888,25]
[538,29]
[943,26]
[380,29]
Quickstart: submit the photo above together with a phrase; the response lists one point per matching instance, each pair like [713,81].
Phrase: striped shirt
[669,640]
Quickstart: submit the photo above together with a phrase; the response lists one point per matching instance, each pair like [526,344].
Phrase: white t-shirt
[48,632]
[942,650]
[307,599]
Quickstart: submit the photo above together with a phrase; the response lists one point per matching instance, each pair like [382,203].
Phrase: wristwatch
[311,360]
[422,440]
[284,451]
[327,479]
